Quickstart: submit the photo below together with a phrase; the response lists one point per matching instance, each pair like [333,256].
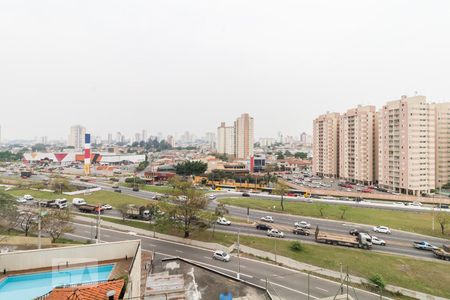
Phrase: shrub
[296,246]
[378,280]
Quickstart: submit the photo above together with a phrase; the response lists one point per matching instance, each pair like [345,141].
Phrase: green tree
[187,205]
[191,168]
[38,148]
[8,211]
[378,280]
[281,189]
[443,219]
[343,209]
[322,207]
[280,155]
[301,155]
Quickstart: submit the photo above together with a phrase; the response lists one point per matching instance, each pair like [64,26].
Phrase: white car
[382,229]
[302,224]
[275,233]
[28,197]
[377,241]
[267,219]
[21,200]
[212,197]
[415,204]
[106,207]
[221,255]
[223,221]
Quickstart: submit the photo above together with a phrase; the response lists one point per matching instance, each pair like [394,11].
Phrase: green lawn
[425,276]
[408,221]
[152,188]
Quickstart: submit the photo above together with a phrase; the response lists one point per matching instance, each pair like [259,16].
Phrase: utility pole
[39,227]
[239,258]
[309,274]
[98,224]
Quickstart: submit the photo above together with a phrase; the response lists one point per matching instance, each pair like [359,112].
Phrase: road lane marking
[179,251]
[289,289]
[324,290]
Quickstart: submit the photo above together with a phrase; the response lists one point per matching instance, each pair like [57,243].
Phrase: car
[106,207]
[28,197]
[367,190]
[221,255]
[444,206]
[302,224]
[21,200]
[354,231]
[415,204]
[262,226]
[223,221]
[118,190]
[424,246]
[135,189]
[275,233]
[156,197]
[212,197]
[301,231]
[267,219]
[377,241]
[245,195]
[382,229]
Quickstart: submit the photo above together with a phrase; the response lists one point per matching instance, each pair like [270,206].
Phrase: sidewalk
[284,261]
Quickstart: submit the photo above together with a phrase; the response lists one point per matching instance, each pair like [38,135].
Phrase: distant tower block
[87,154]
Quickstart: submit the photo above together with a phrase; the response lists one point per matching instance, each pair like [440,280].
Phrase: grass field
[408,221]
[152,188]
[425,276]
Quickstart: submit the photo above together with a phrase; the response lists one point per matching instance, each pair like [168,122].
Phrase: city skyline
[152,66]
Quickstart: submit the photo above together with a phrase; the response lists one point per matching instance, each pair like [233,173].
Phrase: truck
[424,246]
[442,253]
[88,208]
[362,240]
[25,174]
[140,213]
[57,203]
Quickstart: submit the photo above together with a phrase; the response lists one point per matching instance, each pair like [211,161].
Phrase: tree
[61,185]
[443,219]
[191,168]
[322,208]
[38,148]
[301,155]
[56,223]
[287,153]
[123,208]
[343,209]
[220,210]
[8,211]
[281,189]
[378,280]
[280,155]
[27,221]
[187,205]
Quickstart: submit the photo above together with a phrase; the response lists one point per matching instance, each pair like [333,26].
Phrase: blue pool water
[26,287]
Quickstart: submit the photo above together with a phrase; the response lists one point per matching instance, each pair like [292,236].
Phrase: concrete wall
[44,258]
[134,279]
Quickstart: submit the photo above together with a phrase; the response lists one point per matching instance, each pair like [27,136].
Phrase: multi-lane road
[399,242]
[282,283]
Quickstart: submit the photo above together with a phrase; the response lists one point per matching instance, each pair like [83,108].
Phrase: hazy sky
[170,66]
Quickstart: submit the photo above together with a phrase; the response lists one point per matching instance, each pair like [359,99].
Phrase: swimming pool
[30,286]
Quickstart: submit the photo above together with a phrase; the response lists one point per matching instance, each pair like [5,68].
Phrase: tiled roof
[88,292]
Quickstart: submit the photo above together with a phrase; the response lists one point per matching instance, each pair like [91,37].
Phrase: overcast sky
[170,66]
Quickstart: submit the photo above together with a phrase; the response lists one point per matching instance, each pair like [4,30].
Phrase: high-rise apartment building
[326,145]
[225,139]
[76,137]
[357,144]
[406,149]
[442,149]
[244,136]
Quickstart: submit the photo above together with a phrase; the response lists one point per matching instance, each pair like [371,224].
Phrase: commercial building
[442,149]
[407,146]
[357,144]
[76,137]
[326,145]
[244,136]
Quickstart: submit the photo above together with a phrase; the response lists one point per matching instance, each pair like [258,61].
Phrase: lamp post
[238,255]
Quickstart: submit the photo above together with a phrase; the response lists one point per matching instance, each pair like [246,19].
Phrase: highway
[399,242]
[283,283]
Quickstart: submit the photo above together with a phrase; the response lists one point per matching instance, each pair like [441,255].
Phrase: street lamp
[238,255]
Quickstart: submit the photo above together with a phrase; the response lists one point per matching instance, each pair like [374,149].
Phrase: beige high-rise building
[244,136]
[357,145]
[225,139]
[326,145]
[76,137]
[442,123]
[406,147]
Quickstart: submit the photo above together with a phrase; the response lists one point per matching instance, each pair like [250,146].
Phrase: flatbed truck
[442,253]
[362,240]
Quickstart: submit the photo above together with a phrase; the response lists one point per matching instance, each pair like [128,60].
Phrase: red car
[348,186]
[367,190]
[292,195]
